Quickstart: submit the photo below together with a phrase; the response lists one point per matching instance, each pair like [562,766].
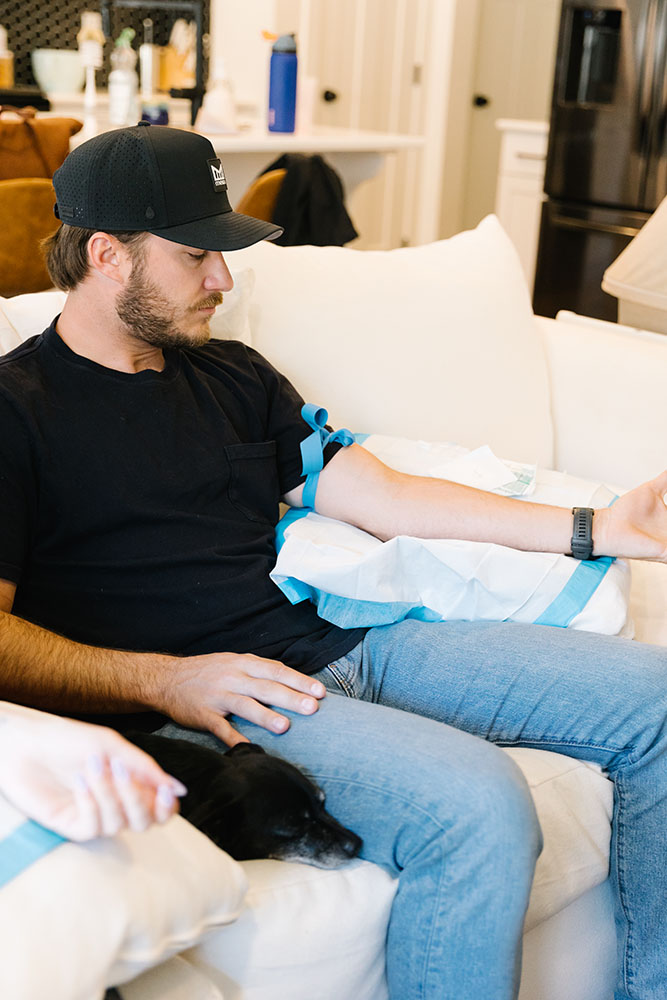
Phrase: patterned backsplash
[32,25]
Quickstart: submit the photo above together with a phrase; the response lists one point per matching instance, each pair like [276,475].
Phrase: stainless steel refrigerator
[606,165]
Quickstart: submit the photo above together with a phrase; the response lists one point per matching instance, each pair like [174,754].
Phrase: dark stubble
[143,309]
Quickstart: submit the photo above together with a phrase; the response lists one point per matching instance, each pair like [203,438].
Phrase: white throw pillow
[437,341]
[9,338]
[304,932]
[86,916]
[27,315]
[230,321]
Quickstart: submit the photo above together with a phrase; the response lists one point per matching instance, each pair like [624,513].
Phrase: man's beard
[149,317]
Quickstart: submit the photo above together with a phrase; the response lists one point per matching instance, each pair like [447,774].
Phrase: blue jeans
[404,748]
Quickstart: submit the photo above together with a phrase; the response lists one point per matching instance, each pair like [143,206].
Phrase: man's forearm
[46,670]
[357,488]
[389,503]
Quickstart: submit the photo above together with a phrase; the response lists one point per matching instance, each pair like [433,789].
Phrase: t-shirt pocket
[253,483]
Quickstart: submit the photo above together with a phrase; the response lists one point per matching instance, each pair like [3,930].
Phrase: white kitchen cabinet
[519,194]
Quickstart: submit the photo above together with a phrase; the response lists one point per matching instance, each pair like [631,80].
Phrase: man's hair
[66,253]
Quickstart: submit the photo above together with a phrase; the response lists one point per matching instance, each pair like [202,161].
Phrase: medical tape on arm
[312,448]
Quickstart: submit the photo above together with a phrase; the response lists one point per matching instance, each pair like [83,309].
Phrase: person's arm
[51,672]
[80,780]
[358,488]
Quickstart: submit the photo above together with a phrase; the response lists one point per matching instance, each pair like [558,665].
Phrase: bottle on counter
[218,112]
[6,61]
[282,84]
[123,81]
[91,41]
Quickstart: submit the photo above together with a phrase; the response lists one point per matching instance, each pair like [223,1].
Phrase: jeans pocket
[343,675]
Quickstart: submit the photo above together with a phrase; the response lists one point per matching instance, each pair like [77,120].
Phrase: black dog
[252,804]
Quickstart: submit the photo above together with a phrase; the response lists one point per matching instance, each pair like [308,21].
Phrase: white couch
[438,343]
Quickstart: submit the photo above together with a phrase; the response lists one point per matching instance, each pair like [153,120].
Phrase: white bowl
[58,70]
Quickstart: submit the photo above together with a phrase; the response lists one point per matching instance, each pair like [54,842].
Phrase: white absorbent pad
[355,579]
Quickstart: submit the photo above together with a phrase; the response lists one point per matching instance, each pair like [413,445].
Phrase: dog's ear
[244,748]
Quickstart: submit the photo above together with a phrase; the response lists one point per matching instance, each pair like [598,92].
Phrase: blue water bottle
[282,85]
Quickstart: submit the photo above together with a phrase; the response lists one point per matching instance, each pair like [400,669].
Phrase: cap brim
[227,231]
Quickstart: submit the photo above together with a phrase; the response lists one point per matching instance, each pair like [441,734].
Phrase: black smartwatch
[582,533]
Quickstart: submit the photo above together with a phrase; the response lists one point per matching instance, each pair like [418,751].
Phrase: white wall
[236,35]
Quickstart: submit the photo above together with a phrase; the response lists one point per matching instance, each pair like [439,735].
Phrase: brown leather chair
[259,199]
[26,217]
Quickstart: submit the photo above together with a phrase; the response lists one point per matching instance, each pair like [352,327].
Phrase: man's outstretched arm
[356,487]
[45,670]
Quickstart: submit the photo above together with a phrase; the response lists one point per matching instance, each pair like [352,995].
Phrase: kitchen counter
[355,154]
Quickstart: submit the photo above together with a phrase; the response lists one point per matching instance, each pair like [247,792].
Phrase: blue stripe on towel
[576,593]
[23,846]
[578,590]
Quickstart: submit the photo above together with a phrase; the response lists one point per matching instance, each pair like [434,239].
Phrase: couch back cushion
[435,342]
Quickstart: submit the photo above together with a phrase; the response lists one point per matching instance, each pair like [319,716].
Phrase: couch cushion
[175,979]
[84,916]
[608,395]
[436,341]
[305,932]
[648,601]
[574,803]
[22,316]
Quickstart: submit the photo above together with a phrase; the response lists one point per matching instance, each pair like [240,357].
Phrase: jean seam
[583,745]
[628,977]
[428,950]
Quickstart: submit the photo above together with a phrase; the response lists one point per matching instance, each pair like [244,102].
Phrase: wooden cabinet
[519,194]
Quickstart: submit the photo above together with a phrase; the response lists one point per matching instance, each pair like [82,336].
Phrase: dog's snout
[351,844]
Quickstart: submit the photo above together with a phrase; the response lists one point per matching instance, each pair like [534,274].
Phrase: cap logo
[217,175]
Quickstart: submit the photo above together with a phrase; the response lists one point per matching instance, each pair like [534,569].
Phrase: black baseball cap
[155,179]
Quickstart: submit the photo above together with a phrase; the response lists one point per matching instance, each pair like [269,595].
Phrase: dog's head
[253,804]
[261,806]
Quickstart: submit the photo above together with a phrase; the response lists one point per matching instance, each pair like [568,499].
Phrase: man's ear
[109,257]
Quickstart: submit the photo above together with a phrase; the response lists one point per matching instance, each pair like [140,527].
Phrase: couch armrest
[609,404]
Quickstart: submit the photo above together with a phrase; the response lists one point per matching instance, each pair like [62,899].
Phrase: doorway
[513,69]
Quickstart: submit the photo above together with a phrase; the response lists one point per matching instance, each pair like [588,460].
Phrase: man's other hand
[199,691]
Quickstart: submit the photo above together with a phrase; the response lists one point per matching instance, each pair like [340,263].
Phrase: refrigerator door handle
[646,40]
[567,222]
[661,80]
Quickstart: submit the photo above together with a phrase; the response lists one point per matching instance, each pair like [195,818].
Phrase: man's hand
[636,525]
[199,691]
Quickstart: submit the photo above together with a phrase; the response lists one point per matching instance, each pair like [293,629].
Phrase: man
[140,473]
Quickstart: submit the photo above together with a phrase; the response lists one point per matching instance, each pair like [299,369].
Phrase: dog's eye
[320,794]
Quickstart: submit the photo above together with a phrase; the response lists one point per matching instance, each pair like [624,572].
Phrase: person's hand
[634,527]
[201,690]
[81,780]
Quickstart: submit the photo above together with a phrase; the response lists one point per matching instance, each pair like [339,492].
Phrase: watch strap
[582,533]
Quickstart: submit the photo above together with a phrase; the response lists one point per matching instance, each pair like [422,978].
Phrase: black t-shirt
[137,511]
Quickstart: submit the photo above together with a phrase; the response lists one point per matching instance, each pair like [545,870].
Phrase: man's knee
[500,813]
